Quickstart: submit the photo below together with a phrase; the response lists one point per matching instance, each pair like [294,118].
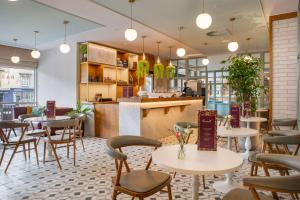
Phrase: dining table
[196,163]
[43,119]
[223,131]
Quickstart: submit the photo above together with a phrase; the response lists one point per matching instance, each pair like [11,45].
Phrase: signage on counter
[207,131]
[235,114]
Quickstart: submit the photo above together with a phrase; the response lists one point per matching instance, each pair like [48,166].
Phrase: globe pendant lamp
[35,53]
[205,61]
[130,33]
[15,59]
[64,47]
[180,51]
[203,20]
[232,45]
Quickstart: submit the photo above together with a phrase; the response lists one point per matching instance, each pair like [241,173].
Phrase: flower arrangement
[182,137]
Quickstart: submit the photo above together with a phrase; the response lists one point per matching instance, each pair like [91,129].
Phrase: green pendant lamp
[158,67]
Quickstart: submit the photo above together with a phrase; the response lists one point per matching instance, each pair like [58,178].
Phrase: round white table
[43,119]
[198,163]
[253,119]
[238,132]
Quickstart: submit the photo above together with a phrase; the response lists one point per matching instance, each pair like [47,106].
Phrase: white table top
[45,119]
[198,162]
[236,132]
[253,119]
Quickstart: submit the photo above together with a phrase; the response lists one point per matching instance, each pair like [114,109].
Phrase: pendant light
[170,55]
[232,45]
[180,51]
[203,20]
[248,56]
[158,60]
[144,55]
[35,53]
[64,47]
[130,33]
[205,61]
[15,59]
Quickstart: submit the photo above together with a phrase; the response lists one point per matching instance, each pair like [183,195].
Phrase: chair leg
[74,149]
[44,154]
[236,144]
[82,142]
[2,155]
[256,169]
[252,170]
[24,151]
[36,153]
[174,175]
[203,181]
[13,154]
[141,198]
[55,155]
[169,191]
[29,150]
[68,151]
[114,196]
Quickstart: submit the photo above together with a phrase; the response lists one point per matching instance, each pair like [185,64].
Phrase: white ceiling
[167,15]
[105,21]
[19,20]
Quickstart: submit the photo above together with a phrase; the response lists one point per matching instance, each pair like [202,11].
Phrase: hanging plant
[142,68]
[170,71]
[158,70]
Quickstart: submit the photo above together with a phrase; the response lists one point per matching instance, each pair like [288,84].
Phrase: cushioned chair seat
[72,131]
[58,138]
[252,157]
[36,132]
[142,180]
[24,139]
[244,194]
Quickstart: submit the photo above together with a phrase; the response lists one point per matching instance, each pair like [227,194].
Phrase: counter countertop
[146,100]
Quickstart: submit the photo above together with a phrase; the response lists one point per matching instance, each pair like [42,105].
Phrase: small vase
[181,153]
[228,126]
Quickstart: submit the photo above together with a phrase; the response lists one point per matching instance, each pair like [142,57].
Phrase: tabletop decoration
[50,111]
[207,131]
[247,109]
[235,113]
[228,124]
[182,137]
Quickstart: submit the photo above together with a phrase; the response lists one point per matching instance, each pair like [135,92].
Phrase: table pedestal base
[196,184]
[226,185]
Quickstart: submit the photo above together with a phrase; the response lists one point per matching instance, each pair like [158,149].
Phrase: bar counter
[152,117]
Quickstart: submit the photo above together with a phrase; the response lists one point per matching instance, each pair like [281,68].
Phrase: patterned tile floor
[91,178]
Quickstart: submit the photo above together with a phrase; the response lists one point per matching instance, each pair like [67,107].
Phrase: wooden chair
[279,144]
[282,184]
[136,183]
[277,123]
[78,129]
[34,132]
[66,139]
[15,142]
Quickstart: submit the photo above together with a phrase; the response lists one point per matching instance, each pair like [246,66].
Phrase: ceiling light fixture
[205,61]
[203,20]
[180,51]
[15,59]
[35,53]
[232,45]
[130,33]
[170,56]
[144,55]
[158,60]
[64,47]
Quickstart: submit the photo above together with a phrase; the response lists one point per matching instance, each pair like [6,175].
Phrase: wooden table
[197,163]
[222,131]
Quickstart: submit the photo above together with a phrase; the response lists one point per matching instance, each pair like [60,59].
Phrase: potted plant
[142,68]
[83,52]
[244,78]
[158,70]
[170,72]
[79,110]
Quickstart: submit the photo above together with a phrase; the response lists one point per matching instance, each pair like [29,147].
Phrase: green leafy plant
[142,68]
[79,110]
[83,49]
[170,71]
[244,78]
[158,70]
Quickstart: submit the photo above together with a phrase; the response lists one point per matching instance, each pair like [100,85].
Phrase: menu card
[247,108]
[235,114]
[207,131]
[50,109]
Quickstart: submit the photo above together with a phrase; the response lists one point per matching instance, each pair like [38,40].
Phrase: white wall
[57,77]
[285,68]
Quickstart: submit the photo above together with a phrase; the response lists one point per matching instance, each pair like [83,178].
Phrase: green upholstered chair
[136,183]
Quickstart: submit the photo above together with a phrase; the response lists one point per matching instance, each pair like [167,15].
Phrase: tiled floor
[91,178]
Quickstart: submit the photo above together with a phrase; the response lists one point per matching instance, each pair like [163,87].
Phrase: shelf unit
[106,71]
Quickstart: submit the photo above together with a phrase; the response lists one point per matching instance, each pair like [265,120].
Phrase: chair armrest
[288,184]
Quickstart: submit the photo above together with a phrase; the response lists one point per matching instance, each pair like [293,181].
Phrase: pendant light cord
[65,32]
[202,6]
[131,14]
[35,34]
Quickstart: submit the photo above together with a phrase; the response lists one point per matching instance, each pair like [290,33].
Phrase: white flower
[188,131]
[229,116]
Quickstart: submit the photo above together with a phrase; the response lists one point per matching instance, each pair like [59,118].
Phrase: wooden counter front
[144,100]
[106,119]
